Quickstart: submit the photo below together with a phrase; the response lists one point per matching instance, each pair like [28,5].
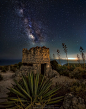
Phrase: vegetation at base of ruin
[4,68]
[54,64]
[15,66]
[19,65]
[31,91]
[12,68]
[0,67]
[1,77]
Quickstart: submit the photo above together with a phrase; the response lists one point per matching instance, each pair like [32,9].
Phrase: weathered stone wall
[34,60]
[36,55]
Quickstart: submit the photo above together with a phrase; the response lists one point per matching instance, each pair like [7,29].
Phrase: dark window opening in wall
[43,67]
[30,64]
[26,64]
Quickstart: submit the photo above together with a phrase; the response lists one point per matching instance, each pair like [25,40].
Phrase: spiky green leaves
[32,91]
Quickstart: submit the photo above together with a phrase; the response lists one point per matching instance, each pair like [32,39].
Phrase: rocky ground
[6,83]
[58,79]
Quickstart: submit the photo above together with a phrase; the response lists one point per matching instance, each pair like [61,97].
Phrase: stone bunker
[36,60]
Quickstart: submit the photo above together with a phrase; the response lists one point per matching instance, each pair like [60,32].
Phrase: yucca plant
[78,59]
[65,50]
[58,53]
[30,92]
[82,54]
[54,56]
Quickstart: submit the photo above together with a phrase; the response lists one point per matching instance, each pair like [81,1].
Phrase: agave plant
[30,92]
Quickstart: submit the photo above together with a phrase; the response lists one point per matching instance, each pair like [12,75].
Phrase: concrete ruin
[37,60]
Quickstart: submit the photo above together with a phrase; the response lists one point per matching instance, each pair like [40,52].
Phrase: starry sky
[31,23]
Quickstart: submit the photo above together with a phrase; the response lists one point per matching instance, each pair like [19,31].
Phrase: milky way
[30,23]
[34,29]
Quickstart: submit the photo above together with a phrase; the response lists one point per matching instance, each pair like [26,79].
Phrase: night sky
[31,23]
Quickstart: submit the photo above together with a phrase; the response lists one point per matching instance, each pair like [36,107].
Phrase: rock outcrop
[62,80]
[73,102]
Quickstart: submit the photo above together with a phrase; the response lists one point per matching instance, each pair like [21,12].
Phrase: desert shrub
[64,72]
[1,77]
[75,75]
[76,89]
[83,75]
[54,64]
[71,67]
[0,67]
[19,65]
[64,67]
[78,73]
[15,65]
[61,68]
[4,69]
[80,69]
[79,89]
[12,68]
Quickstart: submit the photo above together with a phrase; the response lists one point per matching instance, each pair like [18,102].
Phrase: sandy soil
[6,83]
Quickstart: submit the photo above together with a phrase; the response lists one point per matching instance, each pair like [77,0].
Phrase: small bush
[78,73]
[54,64]
[0,67]
[60,68]
[71,67]
[78,88]
[80,69]
[19,65]
[83,75]
[12,68]
[1,78]
[64,73]
[63,70]
[4,69]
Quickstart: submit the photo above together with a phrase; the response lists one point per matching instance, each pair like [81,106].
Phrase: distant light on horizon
[72,58]
[66,58]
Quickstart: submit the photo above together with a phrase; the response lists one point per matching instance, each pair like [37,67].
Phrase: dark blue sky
[30,23]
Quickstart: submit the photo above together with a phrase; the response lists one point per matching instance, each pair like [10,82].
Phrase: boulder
[53,73]
[73,102]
